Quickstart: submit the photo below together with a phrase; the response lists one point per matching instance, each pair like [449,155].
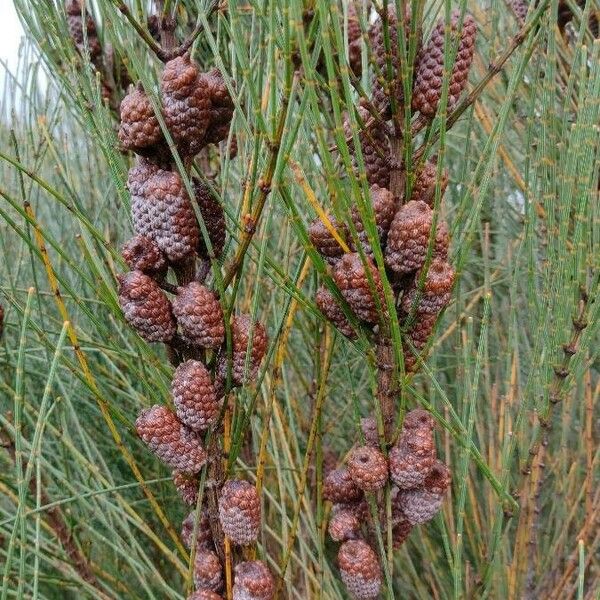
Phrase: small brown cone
[436,291]
[368,468]
[222,107]
[239,511]
[143,254]
[425,183]
[253,581]
[323,240]
[214,220]
[418,335]
[76,26]
[359,508]
[422,504]
[187,487]
[172,442]
[429,69]
[343,525]
[208,571]
[400,533]
[360,569]
[146,307]
[187,104]
[194,396]
[139,130]
[204,539]
[338,487]
[330,307]
[370,431]
[199,315]
[351,277]
[205,595]
[354,39]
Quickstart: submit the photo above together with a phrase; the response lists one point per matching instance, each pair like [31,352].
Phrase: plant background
[524,212]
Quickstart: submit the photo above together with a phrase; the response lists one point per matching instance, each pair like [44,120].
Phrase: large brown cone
[436,291]
[360,569]
[430,65]
[172,442]
[146,307]
[186,104]
[239,511]
[253,581]
[330,307]
[351,277]
[199,315]
[339,487]
[208,571]
[139,130]
[368,468]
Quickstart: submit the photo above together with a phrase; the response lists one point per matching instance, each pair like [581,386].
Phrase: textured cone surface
[368,468]
[194,396]
[143,254]
[339,487]
[222,107]
[354,40]
[205,595]
[360,569]
[425,183]
[422,504]
[76,26]
[186,104]
[330,307]
[138,176]
[253,581]
[436,291]
[239,511]
[408,238]
[520,8]
[412,459]
[214,219]
[204,539]
[400,533]
[323,241]
[199,315]
[172,442]
[369,429]
[208,572]
[139,129]
[359,508]
[418,335]
[351,277]
[187,487]
[146,307]
[384,209]
[241,328]
[429,70]
[343,525]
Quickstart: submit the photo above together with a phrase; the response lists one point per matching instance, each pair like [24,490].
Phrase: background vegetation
[517,412]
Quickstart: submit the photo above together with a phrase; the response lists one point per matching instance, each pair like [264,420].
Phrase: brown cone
[77,28]
[354,40]
[222,107]
[139,130]
[360,569]
[343,525]
[208,572]
[324,242]
[146,307]
[194,396]
[172,442]
[214,220]
[239,511]
[425,183]
[204,539]
[368,468]
[199,315]
[418,335]
[351,277]
[339,487]
[429,70]
[253,581]
[187,486]
[143,254]
[520,8]
[205,595]
[330,307]
[370,430]
[436,291]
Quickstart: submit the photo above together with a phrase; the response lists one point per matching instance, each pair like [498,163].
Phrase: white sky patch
[10,35]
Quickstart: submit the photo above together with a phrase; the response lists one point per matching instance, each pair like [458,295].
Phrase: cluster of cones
[197,110]
[418,481]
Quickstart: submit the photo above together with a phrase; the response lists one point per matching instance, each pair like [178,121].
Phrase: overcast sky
[10,34]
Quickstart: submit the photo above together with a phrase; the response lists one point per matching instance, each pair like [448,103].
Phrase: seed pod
[239,511]
[354,40]
[214,220]
[351,277]
[76,26]
[139,130]
[205,595]
[187,486]
[418,335]
[199,315]
[400,533]
[208,571]
[186,104]
[172,442]
[359,508]
[425,183]
[204,538]
[222,107]
[370,430]
[143,254]
[253,581]
[384,209]
[368,468]
[330,307]
[343,525]
[194,396]
[412,459]
[436,291]
[324,242]
[429,70]
[422,504]
[146,307]
[360,569]
[241,328]
[338,487]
